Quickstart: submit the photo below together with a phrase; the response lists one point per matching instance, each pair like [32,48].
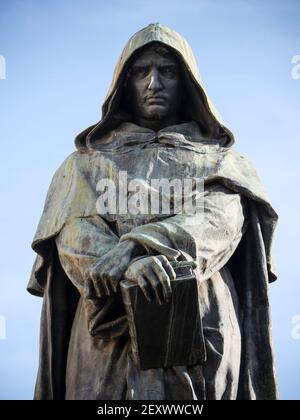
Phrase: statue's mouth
[153,100]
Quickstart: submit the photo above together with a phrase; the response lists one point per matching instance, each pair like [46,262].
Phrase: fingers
[103,278]
[114,276]
[143,284]
[153,275]
[167,266]
[97,284]
[100,286]
[153,280]
[89,290]
[135,275]
[160,267]
[105,281]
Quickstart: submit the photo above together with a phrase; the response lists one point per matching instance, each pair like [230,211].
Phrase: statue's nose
[155,83]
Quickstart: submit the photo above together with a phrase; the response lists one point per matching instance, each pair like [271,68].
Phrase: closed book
[169,334]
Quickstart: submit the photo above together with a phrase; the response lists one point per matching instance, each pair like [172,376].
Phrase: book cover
[169,334]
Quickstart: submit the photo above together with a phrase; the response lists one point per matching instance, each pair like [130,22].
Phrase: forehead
[150,56]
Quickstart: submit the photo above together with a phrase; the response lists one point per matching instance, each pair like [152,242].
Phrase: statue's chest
[152,163]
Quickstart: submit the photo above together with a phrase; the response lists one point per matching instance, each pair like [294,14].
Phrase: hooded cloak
[202,147]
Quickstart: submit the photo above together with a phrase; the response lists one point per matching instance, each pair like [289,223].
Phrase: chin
[157,114]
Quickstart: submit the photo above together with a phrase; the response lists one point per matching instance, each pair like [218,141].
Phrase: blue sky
[60,56]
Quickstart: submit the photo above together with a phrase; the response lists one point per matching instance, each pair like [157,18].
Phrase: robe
[85,344]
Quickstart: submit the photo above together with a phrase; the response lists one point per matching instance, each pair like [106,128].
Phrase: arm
[210,239]
[81,244]
[92,256]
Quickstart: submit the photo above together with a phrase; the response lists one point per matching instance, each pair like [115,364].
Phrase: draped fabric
[85,345]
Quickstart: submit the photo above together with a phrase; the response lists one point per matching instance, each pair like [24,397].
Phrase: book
[169,334]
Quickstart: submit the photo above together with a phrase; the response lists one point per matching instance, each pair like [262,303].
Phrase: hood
[198,107]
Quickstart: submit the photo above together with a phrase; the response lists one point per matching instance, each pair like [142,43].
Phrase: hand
[103,277]
[153,275]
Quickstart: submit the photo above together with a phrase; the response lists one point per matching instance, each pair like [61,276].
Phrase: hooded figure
[85,350]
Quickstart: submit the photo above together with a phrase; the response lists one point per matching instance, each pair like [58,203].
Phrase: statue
[157,123]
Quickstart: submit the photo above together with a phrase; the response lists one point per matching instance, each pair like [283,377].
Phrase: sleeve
[81,243]
[209,237]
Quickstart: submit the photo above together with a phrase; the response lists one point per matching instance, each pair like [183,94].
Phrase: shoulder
[234,159]
[240,173]
[62,178]
[72,164]
[67,165]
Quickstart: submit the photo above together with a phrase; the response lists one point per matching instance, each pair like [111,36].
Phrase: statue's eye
[168,71]
[139,72]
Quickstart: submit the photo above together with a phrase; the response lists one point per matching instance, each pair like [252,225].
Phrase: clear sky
[59,58]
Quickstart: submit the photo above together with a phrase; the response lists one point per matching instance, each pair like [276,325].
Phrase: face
[155,87]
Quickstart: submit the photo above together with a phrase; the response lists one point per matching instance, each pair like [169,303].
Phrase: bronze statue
[157,123]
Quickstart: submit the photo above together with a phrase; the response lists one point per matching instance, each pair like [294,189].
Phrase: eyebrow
[146,63]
